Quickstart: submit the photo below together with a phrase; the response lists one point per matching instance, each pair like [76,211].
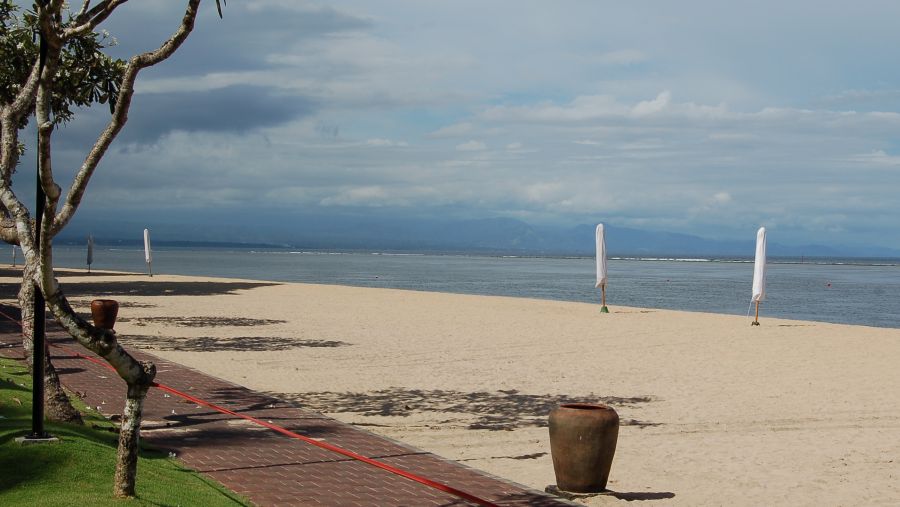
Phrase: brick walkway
[264,466]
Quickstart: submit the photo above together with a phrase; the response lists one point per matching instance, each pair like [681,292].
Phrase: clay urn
[583,440]
[104,312]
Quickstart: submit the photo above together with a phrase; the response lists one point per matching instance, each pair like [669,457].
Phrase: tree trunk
[129,441]
[138,375]
[56,403]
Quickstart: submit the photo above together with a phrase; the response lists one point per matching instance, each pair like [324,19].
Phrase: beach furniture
[759,273]
[600,237]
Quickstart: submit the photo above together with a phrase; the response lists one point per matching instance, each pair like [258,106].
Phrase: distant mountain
[490,235]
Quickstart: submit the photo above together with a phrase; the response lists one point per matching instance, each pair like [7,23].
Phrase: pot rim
[104,301]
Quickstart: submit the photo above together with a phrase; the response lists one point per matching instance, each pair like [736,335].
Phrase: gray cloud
[230,109]
[249,32]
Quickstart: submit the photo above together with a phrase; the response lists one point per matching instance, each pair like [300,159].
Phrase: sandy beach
[713,411]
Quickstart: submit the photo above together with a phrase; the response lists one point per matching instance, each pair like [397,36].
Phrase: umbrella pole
[603,308]
[756,322]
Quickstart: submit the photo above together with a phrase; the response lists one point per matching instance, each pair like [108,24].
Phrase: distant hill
[491,235]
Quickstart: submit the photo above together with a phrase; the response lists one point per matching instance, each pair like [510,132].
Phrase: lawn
[79,469]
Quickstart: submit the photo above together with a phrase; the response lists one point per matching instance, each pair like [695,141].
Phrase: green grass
[79,470]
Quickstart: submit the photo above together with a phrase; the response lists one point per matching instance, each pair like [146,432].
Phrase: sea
[851,291]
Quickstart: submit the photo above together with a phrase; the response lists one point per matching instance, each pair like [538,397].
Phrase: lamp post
[37,402]
[38,331]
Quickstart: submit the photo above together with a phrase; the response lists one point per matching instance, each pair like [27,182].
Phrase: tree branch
[87,21]
[10,117]
[84,8]
[51,48]
[120,114]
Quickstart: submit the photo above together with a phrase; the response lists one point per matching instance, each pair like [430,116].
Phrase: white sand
[715,412]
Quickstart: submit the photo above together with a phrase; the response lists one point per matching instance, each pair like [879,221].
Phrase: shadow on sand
[141,288]
[499,410]
[203,321]
[220,344]
[620,495]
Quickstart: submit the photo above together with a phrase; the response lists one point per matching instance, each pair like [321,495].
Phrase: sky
[699,117]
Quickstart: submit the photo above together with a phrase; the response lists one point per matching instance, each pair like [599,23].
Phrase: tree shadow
[86,303]
[620,495]
[108,289]
[178,428]
[66,272]
[8,383]
[68,371]
[11,272]
[203,321]
[495,411]
[220,344]
[631,497]
[10,310]
[225,427]
[521,498]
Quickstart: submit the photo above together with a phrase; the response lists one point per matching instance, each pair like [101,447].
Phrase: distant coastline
[496,236]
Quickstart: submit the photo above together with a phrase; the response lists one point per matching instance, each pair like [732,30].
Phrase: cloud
[385,143]
[471,146]
[359,196]
[241,40]
[877,158]
[721,198]
[729,136]
[455,130]
[647,107]
[229,109]
[587,108]
[622,57]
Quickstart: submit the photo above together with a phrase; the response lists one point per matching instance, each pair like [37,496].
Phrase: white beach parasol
[90,252]
[601,266]
[759,272]
[147,256]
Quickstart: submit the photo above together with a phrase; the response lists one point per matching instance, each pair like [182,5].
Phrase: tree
[86,76]
[41,90]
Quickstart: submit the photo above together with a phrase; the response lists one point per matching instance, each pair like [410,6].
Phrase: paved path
[264,466]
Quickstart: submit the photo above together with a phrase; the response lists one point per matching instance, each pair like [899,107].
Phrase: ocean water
[852,291]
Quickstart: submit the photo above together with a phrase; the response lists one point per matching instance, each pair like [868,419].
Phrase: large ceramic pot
[104,312]
[582,443]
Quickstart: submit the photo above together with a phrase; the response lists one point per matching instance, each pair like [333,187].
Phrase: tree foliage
[86,75]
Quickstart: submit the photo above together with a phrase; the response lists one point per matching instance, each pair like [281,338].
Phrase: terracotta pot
[104,312]
[582,443]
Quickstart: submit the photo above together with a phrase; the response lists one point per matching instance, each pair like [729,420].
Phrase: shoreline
[713,411]
[76,272]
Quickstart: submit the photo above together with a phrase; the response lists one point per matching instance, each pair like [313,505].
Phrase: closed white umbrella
[90,252]
[601,266]
[759,272]
[147,256]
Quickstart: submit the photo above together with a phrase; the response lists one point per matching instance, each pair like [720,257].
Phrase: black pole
[37,379]
[37,402]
